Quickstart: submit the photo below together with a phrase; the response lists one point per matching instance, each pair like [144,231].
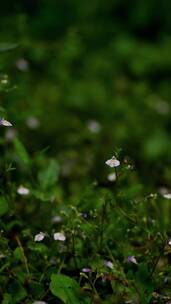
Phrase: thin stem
[73,249]
[157,259]
[23,254]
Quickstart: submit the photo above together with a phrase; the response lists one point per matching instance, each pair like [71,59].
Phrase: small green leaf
[49,175]
[21,151]
[4,47]
[40,248]
[18,254]
[44,197]
[3,205]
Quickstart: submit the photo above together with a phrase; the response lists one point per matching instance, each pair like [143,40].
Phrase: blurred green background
[90,77]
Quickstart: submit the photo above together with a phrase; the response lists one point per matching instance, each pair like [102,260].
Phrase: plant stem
[23,254]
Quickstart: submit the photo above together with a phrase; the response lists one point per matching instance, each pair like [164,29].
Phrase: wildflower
[10,134]
[83,215]
[111,177]
[163,190]
[132,259]
[113,162]
[56,219]
[169,242]
[167,195]
[39,302]
[108,264]
[39,237]
[23,190]
[59,236]
[5,123]
[86,270]
[94,126]
[22,65]
[32,122]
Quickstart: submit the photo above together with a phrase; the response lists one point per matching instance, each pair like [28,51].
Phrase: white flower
[22,65]
[23,190]
[56,219]
[39,237]
[167,195]
[86,270]
[113,162]
[10,134]
[32,122]
[169,242]
[59,236]
[111,177]
[5,123]
[94,126]
[39,302]
[163,190]
[108,264]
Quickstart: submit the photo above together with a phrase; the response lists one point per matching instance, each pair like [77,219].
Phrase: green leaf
[65,288]
[40,248]
[18,254]
[4,47]
[3,205]
[49,175]
[21,151]
[7,299]
[40,195]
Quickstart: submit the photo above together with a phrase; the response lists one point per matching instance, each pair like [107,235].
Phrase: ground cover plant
[85,168]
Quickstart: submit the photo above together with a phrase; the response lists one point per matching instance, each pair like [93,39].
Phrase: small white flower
[94,126]
[23,190]
[59,236]
[108,264]
[10,134]
[39,237]
[39,302]
[56,219]
[113,162]
[169,242]
[132,259]
[111,177]
[5,123]
[163,190]
[167,195]
[32,122]
[22,65]
[86,270]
